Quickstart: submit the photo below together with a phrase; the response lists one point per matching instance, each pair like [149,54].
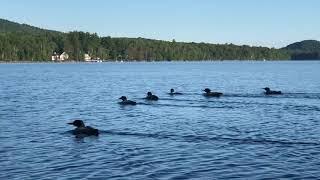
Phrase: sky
[271,23]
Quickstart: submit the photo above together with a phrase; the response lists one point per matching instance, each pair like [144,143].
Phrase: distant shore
[29,42]
[115,61]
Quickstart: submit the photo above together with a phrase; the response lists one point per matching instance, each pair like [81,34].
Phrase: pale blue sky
[272,23]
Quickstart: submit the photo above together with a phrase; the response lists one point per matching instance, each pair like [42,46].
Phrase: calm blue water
[243,134]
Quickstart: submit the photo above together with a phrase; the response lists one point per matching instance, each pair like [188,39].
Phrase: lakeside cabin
[61,57]
[88,58]
[64,56]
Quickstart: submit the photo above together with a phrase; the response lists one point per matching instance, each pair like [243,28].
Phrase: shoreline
[144,61]
[140,61]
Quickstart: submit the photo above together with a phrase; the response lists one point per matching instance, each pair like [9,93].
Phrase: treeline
[22,46]
[305,56]
[22,42]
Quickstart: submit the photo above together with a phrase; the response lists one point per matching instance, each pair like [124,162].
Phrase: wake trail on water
[220,99]
[262,95]
[229,104]
[198,139]
[184,106]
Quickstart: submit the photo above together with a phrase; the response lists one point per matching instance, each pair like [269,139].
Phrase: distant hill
[9,26]
[304,50]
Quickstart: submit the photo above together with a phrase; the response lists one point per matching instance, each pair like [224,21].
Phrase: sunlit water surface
[244,134]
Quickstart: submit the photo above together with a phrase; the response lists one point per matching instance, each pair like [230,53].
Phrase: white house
[87,57]
[55,57]
[61,57]
[64,56]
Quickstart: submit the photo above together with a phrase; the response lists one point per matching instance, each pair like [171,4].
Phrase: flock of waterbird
[82,130]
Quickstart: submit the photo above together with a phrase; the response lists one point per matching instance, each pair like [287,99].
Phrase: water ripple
[193,138]
[243,134]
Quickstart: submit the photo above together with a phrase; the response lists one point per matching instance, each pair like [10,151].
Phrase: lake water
[244,134]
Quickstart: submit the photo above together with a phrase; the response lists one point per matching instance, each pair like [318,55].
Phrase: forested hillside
[20,42]
[304,50]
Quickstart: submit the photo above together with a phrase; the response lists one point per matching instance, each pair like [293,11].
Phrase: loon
[174,93]
[208,93]
[126,102]
[83,130]
[151,97]
[269,92]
